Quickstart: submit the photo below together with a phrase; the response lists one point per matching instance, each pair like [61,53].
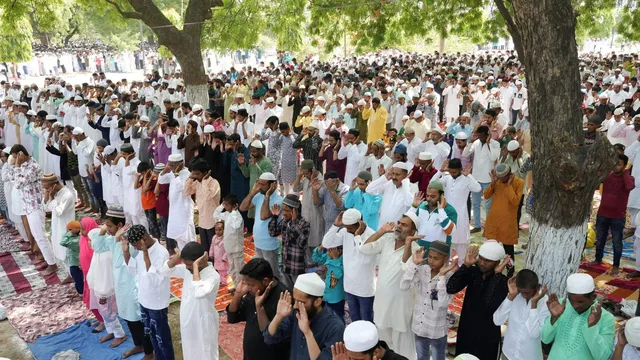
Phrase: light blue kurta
[125,284]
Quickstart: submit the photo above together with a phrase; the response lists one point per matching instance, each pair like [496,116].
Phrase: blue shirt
[334,281]
[366,203]
[261,237]
[327,329]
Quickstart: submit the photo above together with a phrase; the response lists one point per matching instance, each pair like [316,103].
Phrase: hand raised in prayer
[316,185]
[503,264]
[388,227]
[472,256]
[381,170]
[622,338]
[256,188]
[467,170]
[361,228]
[555,307]
[202,261]
[418,198]
[272,188]
[513,289]
[241,158]
[125,245]
[442,200]
[409,239]
[262,296]
[418,256]
[303,319]
[538,295]
[594,316]
[122,231]
[338,221]
[388,175]
[445,166]
[284,305]
[275,210]
[339,352]
[451,267]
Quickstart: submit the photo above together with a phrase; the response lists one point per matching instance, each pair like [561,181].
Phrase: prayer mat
[230,337]
[45,311]
[614,288]
[627,245]
[21,272]
[80,339]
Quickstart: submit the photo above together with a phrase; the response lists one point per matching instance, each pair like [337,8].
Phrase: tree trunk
[189,57]
[566,173]
[442,42]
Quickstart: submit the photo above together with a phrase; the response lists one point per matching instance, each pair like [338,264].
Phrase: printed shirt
[295,235]
[26,179]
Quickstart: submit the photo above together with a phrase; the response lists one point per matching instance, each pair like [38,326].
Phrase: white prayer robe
[354,155]
[180,227]
[199,319]
[522,339]
[440,151]
[395,201]
[456,192]
[132,203]
[63,211]
[392,307]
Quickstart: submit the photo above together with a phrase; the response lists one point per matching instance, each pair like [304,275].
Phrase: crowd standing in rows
[369,171]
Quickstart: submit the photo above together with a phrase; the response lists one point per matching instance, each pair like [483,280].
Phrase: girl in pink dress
[220,260]
[86,254]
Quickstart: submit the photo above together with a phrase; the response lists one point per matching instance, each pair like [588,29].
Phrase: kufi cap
[7,150]
[360,336]
[136,233]
[127,148]
[492,250]
[291,201]
[617,83]
[306,164]
[77,131]
[439,130]
[580,284]
[102,142]
[208,129]
[322,111]
[405,117]
[158,168]
[51,117]
[494,91]
[175,157]
[340,96]
[173,87]
[496,105]
[239,96]
[618,111]
[482,83]
[417,114]
[108,150]
[401,95]
[196,107]
[632,331]
[154,84]
[429,86]
[113,97]
[411,214]
[466,115]
[401,165]
[8,98]
[436,185]
[310,284]
[362,102]
[440,247]
[379,143]
[320,98]
[302,87]
[502,170]
[351,216]
[349,106]
[409,130]
[147,80]
[77,98]
[305,109]
[414,80]
[314,124]
[233,108]
[49,179]
[267,176]
[400,148]
[312,87]
[115,212]
[144,118]
[513,145]
[257,144]
[31,113]
[367,94]
[365,175]
[425,155]
[518,82]
[466,357]
[269,99]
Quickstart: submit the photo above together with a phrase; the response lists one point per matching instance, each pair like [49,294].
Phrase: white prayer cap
[257,144]
[492,250]
[604,95]
[482,83]
[154,84]
[360,336]
[51,117]
[173,87]
[320,98]
[56,124]
[513,145]
[314,124]
[518,82]
[178,71]
[369,82]
[617,83]
[490,77]
[417,114]
[412,215]
[7,150]
[8,98]
[467,115]
[494,91]
[225,85]
[401,165]
[144,118]
[108,150]
[77,131]
[233,108]
[403,85]
[302,87]
[175,157]
[466,357]
[425,155]
[208,129]
[312,87]
[349,106]
[267,176]
[305,109]
[405,117]
[310,284]
[632,331]
[414,80]
[322,111]
[367,94]
[31,113]
[580,284]
[340,96]
[362,102]
[77,98]
[496,105]
[401,95]
[618,111]
[239,96]
[330,242]
[269,99]
[439,130]
[196,107]
[351,216]
[113,97]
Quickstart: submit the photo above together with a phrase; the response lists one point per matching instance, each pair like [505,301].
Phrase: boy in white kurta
[60,201]
[198,317]
[180,226]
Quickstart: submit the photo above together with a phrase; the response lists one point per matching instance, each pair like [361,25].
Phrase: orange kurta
[501,222]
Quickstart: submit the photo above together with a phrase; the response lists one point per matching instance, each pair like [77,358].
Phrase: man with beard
[395,190]
[308,181]
[255,302]
[257,165]
[437,217]
[313,328]
[180,226]
[486,286]
[207,192]
[392,307]
[310,143]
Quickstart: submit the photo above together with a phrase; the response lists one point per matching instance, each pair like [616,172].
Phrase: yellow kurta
[501,222]
[377,121]
[304,121]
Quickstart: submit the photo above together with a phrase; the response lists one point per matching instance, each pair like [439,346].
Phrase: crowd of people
[359,182]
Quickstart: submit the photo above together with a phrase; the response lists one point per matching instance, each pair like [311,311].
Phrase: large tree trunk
[566,173]
[189,57]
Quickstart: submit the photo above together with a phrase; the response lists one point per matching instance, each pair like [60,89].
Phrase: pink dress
[86,254]
[220,259]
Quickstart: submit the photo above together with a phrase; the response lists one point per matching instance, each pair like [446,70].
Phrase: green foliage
[15,41]
[165,53]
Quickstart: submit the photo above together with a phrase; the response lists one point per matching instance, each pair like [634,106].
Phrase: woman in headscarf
[86,254]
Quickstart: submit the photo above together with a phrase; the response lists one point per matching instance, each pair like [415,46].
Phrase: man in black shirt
[258,288]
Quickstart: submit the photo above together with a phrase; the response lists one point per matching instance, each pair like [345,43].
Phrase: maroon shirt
[339,166]
[162,202]
[615,195]
[422,177]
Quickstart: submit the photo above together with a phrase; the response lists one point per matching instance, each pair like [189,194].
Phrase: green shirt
[573,338]
[70,241]
[253,172]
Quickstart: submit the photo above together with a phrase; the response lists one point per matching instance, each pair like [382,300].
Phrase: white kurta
[633,152]
[440,151]
[199,319]
[63,211]
[132,203]
[180,226]
[354,155]
[457,192]
[395,201]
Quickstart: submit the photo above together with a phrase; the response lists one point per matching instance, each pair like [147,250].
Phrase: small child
[233,236]
[147,180]
[430,324]
[334,293]
[220,260]
[71,240]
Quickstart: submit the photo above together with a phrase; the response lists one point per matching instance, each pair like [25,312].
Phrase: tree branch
[125,14]
[511,26]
